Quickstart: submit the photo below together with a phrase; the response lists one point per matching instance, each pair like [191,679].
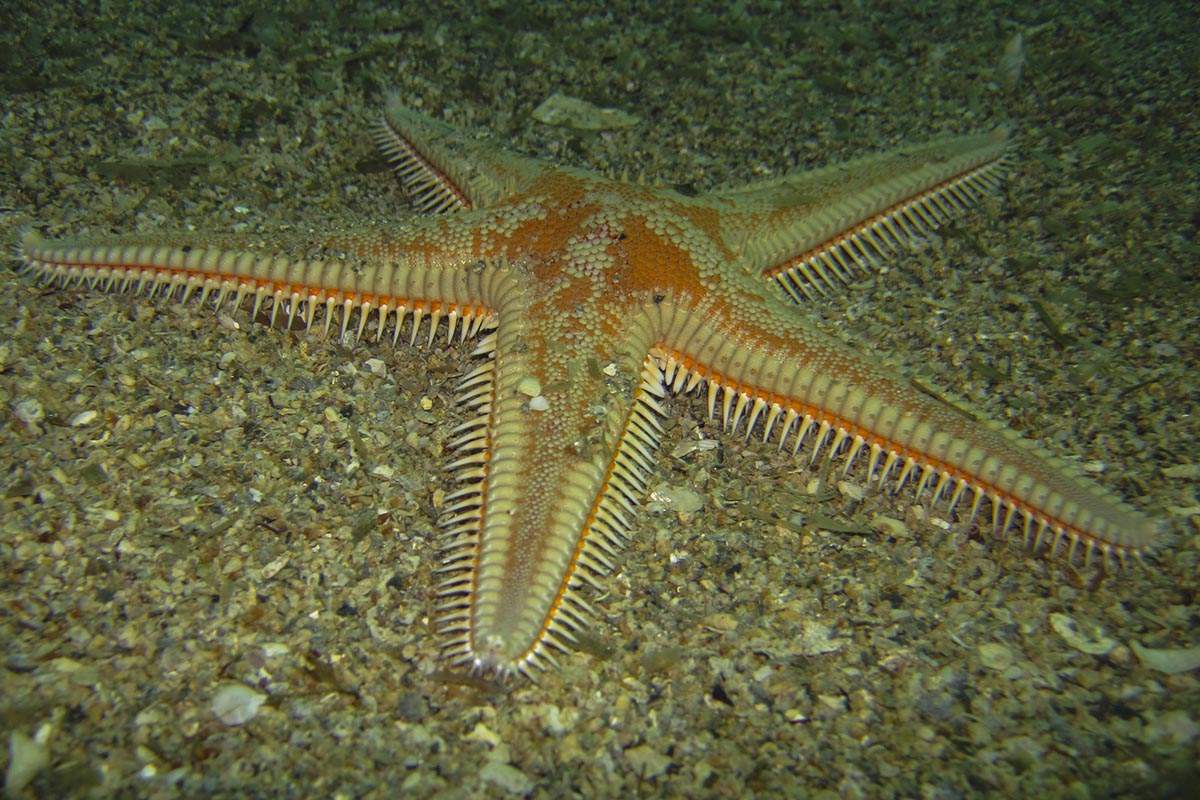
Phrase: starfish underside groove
[590,298]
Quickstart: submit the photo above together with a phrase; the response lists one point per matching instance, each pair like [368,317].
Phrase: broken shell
[1093,642]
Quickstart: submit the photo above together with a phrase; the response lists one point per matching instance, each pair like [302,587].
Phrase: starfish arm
[551,469]
[760,365]
[446,169]
[389,275]
[812,232]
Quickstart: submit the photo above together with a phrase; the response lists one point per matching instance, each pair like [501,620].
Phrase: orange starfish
[591,297]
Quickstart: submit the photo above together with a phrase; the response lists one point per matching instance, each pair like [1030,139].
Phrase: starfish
[590,298]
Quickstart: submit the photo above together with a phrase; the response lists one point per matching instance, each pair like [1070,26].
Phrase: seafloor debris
[235,704]
[1171,661]
[571,112]
[27,756]
[1093,642]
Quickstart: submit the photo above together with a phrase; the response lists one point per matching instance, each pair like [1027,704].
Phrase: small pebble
[236,704]
[26,758]
[29,410]
[995,656]
[890,526]
[723,623]
[83,418]
[1165,349]
[272,569]
[1170,661]
[674,498]
[646,762]
[851,491]
[1189,471]
[1172,729]
[529,386]
[571,112]
[507,777]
